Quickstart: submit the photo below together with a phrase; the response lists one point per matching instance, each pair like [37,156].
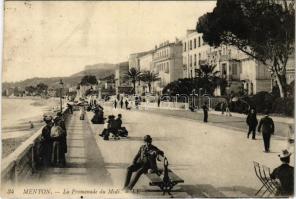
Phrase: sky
[49,39]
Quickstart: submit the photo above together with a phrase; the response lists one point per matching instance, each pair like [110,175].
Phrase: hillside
[99,70]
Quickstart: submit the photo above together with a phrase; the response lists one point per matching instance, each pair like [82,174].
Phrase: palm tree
[207,71]
[133,75]
[209,76]
[149,77]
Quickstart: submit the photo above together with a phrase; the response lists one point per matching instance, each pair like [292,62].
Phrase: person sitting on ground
[121,130]
[144,161]
[113,127]
[110,127]
[105,133]
[98,117]
[285,174]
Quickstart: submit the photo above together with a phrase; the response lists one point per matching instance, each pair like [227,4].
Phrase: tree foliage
[89,80]
[41,89]
[263,29]
[133,75]
[149,77]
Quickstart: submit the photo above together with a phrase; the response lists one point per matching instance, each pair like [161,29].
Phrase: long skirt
[57,153]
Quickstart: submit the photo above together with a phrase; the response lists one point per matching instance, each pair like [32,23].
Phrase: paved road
[209,158]
[235,123]
[213,161]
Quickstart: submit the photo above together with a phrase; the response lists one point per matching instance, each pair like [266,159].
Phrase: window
[199,56]
[198,41]
[184,46]
[194,43]
[234,69]
[167,69]
[190,45]
[194,59]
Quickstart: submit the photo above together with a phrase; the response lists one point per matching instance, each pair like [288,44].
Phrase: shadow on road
[245,190]
[202,191]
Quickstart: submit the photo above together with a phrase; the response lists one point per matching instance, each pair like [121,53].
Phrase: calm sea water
[17,111]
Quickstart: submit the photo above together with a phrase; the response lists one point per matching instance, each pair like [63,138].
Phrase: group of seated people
[114,127]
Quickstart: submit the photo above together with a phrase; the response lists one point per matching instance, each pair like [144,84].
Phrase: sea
[17,113]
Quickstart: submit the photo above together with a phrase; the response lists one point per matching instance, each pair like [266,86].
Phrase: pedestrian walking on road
[267,126]
[126,104]
[227,109]
[144,161]
[158,102]
[222,107]
[121,103]
[115,103]
[252,123]
[285,174]
[205,110]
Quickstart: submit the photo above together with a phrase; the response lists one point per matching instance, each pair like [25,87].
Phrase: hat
[119,115]
[285,154]
[147,138]
[47,118]
[56,119]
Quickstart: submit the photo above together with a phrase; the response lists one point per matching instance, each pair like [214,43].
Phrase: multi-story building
[167,62]
[121,82]
[243,73]
[195,52]
[145,64]
[134,59]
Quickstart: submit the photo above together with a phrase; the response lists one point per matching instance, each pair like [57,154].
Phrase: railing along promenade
[25,160]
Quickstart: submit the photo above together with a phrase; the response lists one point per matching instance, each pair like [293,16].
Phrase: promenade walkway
[85,164]
[213,161]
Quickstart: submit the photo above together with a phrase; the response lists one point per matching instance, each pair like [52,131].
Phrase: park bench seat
[156,180]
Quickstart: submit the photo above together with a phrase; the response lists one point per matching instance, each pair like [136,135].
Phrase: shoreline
[18,131]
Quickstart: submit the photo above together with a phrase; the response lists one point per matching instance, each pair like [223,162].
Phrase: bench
[168,180]
[269,186]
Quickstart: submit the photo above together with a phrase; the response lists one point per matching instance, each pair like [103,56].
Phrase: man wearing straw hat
[285,174]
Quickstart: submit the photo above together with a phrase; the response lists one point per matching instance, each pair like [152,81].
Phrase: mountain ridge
[100,70]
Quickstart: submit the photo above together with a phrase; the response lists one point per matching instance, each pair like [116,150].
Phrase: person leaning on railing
[57,134]
[46,142]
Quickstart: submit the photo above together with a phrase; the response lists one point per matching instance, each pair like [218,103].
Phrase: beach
[17,113]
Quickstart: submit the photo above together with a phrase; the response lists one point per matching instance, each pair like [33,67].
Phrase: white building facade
[195,52]
[167,62]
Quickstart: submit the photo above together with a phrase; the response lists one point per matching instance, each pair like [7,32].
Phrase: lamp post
[61,87]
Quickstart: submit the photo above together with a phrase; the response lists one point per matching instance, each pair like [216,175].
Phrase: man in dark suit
[205,110]
[143,161]
[267,126]
[285,174]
